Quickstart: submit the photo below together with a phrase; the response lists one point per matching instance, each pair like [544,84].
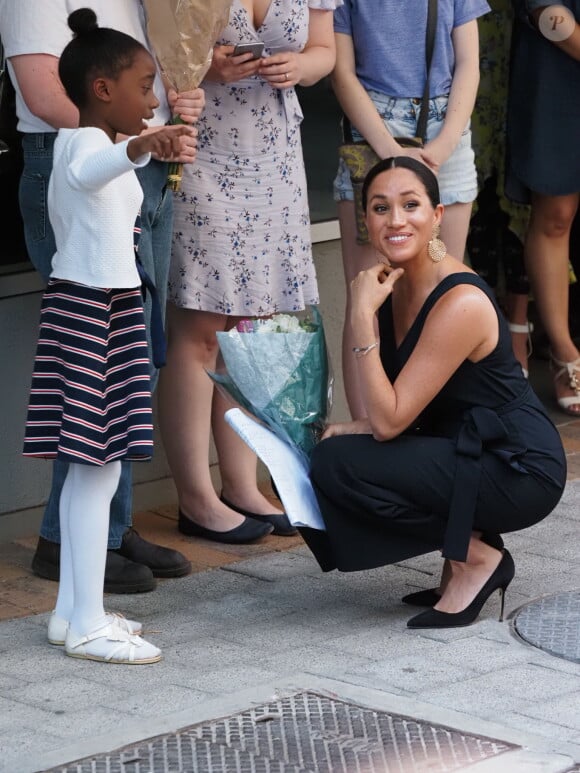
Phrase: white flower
[267,326]
[287,324]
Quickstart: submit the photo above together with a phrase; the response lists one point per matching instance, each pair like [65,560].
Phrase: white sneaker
[58,626]
[111,643]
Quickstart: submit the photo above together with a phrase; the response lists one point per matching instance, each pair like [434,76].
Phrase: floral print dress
[241,243]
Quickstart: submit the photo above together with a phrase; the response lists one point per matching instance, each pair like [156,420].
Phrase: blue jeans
[154,251]
[457,177]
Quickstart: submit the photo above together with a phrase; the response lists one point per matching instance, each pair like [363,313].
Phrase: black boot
[121,575]
[163,562]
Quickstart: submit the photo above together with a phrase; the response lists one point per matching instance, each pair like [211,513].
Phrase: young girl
[90,401]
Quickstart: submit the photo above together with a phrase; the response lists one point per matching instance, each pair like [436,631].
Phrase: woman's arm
[571,45]
[462,325]
[289,68]
[461,97]
[356,103]
[42,90]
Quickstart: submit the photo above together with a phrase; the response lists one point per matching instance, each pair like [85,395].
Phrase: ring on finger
[286,76]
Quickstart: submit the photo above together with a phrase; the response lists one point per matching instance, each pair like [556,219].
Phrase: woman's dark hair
[93,51]
[420,170]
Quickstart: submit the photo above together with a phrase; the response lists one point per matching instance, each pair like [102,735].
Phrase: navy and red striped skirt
[90,400]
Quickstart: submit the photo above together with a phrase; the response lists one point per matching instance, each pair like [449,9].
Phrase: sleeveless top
[486,406]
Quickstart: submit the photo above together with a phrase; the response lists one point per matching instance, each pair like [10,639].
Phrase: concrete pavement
[237,635]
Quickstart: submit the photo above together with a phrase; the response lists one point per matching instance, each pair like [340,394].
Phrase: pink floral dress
[241,243]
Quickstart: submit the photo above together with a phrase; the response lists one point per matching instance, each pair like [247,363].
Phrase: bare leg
[446,571]
[185,404]
[355,258]
[454,229]
[237,464]
[468,578]
[517,314]
[189,408]
[547,254]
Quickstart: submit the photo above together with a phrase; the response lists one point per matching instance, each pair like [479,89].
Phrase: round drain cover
[552,624]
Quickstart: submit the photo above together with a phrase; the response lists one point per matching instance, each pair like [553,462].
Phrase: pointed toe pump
[430,596]
[499,580]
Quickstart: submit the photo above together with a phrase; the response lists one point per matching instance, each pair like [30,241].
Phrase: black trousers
[384,502]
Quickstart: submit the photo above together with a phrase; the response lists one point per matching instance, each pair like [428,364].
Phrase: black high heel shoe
[430,596]
[248,531]
[280,521]
[499,580]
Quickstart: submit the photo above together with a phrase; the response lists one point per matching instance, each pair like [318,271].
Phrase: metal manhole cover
[303,733]
[552,624]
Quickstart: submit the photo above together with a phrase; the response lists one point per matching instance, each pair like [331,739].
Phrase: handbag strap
[429,46]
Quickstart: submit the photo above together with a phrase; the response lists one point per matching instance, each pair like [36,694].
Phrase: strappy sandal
[58,626]
[526,329]
[571,370]
[111,643]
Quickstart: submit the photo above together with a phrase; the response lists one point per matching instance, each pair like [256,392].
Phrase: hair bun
[83,21]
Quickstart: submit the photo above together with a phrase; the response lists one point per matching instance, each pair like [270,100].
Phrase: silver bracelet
[360,351]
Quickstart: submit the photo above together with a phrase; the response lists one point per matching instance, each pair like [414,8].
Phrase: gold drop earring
[436,248]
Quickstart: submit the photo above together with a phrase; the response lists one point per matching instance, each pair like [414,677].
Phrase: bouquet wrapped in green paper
[278,370]
[183,34]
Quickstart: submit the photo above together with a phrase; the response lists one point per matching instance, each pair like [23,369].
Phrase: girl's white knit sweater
[94,198]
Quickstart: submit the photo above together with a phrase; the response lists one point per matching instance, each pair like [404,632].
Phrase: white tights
[84,527]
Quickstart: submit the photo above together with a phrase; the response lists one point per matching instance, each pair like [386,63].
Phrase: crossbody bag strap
[429,46]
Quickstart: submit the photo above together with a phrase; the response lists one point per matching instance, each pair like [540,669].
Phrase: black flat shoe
[121,574]
[499,580]
[280,522]
[248,531]
[430,596]
[163,562]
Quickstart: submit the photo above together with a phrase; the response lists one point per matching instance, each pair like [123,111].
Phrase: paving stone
[507,689]
[410,673]
[279,567]
[166,699]
[484,655]
[67,692]
[24,742]
[540,727]
[230,679]
[562,710]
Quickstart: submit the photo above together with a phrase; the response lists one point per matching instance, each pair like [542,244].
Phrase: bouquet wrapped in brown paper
[183,34]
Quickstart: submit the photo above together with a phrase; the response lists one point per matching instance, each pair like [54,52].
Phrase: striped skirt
[90,400]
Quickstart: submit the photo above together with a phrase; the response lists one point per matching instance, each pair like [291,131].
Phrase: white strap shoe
[58,626]
[568,373]
[525,329]
[111,644]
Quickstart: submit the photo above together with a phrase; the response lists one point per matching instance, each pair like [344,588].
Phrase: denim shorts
[457,177]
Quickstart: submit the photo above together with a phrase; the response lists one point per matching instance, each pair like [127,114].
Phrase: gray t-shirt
[389,42]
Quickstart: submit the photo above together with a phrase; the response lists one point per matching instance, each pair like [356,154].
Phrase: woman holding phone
[241,248]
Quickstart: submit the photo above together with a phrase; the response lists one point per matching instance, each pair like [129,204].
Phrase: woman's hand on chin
[371,287]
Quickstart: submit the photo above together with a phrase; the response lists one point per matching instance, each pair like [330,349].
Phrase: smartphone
[256,49]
